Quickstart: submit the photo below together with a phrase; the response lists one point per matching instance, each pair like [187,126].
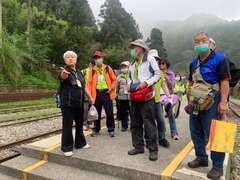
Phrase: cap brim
[132,45]
[97,56]
[158,58]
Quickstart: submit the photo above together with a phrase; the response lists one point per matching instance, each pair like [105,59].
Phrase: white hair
[69,53]
[212,41]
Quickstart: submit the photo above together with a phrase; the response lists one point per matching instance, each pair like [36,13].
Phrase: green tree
[156,42]
[79,13]
[0,23]
[29,22]
[118,26]
[114,56]
[76,12]
[13,57]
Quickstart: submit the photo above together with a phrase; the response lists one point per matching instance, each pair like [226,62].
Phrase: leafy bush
[115,55]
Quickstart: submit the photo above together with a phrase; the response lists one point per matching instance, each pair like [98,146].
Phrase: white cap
[212,41]
[126,63]
[154,53]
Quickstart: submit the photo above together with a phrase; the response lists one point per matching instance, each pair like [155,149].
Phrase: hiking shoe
[215,173]
[153,155]
[124,129]
[164,143]
[111,134]
[135,151]
[196,163]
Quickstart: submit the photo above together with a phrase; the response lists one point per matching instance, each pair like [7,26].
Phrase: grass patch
[27,103]
[41,79]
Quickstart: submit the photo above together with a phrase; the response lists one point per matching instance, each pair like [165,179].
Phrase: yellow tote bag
[222,136]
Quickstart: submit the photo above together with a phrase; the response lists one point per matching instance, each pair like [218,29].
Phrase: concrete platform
[107,159]
[109,156]
[3,177]
[184,172]
[15,166]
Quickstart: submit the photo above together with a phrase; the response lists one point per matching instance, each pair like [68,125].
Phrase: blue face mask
[133,54]
[201,49]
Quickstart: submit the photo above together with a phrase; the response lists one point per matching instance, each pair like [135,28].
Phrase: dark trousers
[124,111]
[143,115]
[160,121]
[103,99]
[200,129]
[70,114]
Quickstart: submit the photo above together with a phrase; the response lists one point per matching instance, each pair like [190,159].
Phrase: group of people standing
[138,91]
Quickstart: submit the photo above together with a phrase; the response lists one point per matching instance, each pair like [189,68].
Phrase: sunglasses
[162,63]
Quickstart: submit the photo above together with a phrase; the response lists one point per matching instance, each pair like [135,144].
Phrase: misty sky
[152,11]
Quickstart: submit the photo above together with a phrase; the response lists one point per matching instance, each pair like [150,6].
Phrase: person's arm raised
[64,73]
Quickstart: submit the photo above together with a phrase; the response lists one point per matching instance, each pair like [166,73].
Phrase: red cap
[98,54]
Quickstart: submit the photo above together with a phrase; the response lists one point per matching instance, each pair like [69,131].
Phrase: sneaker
[153,155]
[164,143]
[124,129]
[196,163]
[111,134]
[68,154]
[215,173]
[175,137]
[135,151]
[87,146]
[94,133]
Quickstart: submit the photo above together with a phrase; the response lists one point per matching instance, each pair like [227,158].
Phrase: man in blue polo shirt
[209,70]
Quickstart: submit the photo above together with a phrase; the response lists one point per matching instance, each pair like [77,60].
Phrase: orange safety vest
[110,79]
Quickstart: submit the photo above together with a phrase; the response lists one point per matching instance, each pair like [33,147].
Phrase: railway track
[24,141]
[28,120]
[11,145]
[25,108]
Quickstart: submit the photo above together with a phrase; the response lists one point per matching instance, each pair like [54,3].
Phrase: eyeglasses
[162,63]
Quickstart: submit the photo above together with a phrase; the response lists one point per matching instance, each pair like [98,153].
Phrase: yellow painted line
[46,151]
[171,168]
[32,167]
[55,146]
[49,149]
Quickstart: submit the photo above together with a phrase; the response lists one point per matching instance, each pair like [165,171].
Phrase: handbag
[142,95]
[222,136]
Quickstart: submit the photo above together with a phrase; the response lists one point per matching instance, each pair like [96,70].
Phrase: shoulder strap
[150,65]
[200,63]
[107,69]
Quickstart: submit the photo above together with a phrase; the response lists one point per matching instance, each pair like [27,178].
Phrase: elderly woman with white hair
[71,91]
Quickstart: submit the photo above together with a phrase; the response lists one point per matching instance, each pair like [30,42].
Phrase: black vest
[71,95]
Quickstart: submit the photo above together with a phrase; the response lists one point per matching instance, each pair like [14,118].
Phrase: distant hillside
[178,35]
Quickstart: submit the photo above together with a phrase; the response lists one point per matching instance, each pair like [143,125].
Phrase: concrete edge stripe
[171,168]
[49,149]
[32,167]
[55,146]
[46,151]
[190,172]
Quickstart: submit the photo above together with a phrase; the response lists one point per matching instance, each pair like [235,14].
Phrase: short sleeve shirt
[213,70]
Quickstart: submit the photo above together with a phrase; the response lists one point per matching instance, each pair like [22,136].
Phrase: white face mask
[99,61]
[125,70]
